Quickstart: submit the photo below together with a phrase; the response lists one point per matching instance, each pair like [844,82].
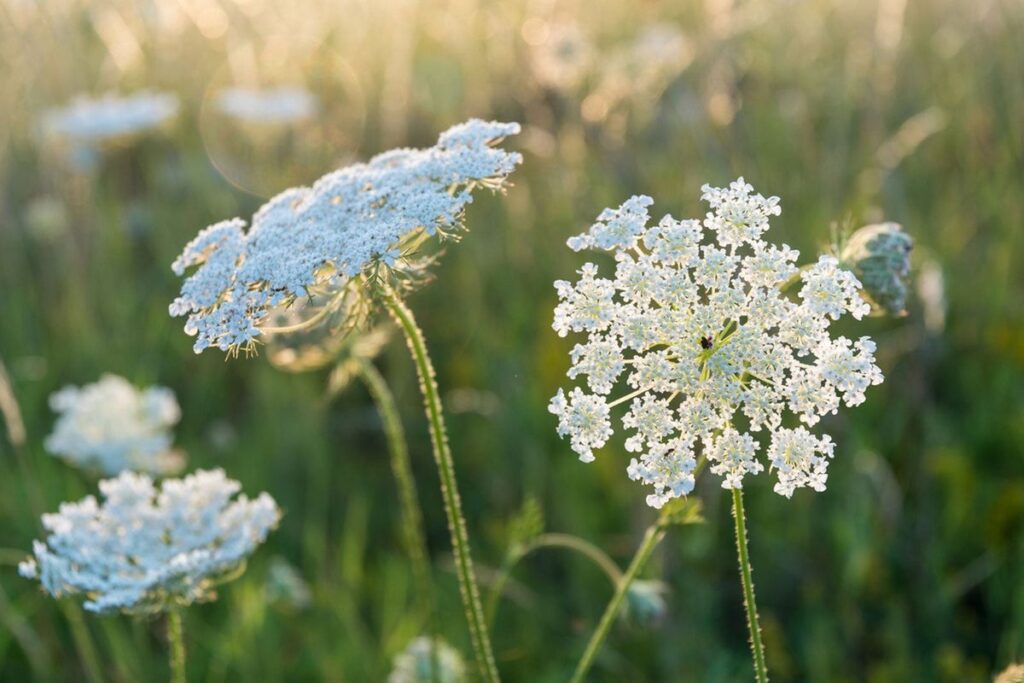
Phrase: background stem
[753,622]
[551,540]
[449,489]
[652,537]
[412,518]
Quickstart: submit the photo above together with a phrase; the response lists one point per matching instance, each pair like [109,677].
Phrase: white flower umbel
[146,549]
[697,324]
[96,119]
[427,660]
[111,426]
[368,219]
[279,105]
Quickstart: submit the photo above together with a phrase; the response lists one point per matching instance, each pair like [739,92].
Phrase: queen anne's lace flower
[354,221]
[713,350]
[89,119]
[111,426]
[268,106]
[427,660]
[146,549]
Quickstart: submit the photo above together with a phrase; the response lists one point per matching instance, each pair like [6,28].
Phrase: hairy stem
[176,638]
[449,490]
[412,518]
[753,622]
[652,537]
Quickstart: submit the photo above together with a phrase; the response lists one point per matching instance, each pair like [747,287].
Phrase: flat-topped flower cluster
[94,119]
[146,549]
[350,222]
[697,323]
[111,426]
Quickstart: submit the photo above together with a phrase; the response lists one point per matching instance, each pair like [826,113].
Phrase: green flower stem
[449,489]
[753,623]
[412,518]
[553,540]
[652,537]
[176,637]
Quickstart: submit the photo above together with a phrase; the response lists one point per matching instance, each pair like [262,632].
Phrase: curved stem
[552,540]
[449,489]
[176,637]
[412,519]
[753,622]
[652,537]
[581,546]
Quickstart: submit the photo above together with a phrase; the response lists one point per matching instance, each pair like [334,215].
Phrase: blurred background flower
[854,113]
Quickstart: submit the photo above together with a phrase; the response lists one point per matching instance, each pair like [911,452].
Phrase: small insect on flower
[364,224]
[763,359]
[110,426]
[146,549]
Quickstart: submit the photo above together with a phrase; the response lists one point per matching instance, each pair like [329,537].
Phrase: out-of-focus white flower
[416,664]
[93,120]
[931,290]
[560,54]
[645,602]
[369,220]
[712,350]
[146,549]
[47,219]
[111,426]
[285,585]
[267,106]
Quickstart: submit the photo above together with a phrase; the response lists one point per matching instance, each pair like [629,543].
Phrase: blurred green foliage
[910,567]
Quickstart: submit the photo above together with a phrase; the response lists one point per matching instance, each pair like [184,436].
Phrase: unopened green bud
[879,255]
[645,603]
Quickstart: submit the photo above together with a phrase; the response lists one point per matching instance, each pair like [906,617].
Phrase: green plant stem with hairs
[749,603]
[412,518]
[551,540]
[449,489]
[176,639]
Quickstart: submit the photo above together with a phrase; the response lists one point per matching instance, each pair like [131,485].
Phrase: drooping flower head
[146,549]
[714,355]
[111,426]
[428,660]
[366,221]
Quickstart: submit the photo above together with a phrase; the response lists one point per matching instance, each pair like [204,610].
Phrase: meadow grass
[908,568]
